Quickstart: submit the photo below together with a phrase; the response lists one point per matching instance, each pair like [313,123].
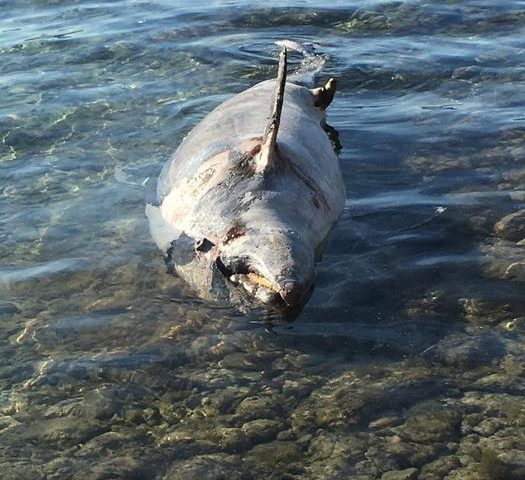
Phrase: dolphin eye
[203,245]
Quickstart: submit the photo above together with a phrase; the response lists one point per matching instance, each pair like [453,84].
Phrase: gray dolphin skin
[251,194]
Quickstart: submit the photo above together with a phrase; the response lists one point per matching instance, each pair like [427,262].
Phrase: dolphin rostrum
[248,200]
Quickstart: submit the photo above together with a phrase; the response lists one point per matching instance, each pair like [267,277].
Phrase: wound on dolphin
[248,199]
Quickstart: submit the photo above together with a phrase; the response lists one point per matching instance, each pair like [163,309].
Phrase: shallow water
[408,360]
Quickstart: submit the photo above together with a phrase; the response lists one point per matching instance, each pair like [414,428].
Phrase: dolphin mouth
[256,280]
[287,294]
[252,282]
[284,294]
[257,286]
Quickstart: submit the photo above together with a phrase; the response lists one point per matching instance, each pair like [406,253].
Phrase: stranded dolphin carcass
[251,194]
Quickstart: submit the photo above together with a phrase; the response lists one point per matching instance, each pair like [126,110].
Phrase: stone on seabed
[408,474]
[277,452]
[514,461]
[210,467]
[512,227]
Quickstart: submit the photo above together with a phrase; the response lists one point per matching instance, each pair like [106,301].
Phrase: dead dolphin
[248,199]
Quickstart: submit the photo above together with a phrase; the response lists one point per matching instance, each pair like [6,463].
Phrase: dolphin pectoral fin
[265,159]
[195,260]
[324,95]
[333,136]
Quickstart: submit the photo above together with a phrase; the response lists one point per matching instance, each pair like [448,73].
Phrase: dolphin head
[274,264]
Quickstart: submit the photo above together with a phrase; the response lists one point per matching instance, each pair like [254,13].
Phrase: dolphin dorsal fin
[266,156]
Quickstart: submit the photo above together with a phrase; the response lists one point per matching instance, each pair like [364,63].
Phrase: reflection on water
[407,361]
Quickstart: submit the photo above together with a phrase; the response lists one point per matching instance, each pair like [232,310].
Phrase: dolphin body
[249,199]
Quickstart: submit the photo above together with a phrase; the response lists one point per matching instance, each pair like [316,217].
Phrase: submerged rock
[8,308]
[123,439]
[514,463]
[209,467]
[117,468]
[511,227]
[102,403]
[232,439]
[481,311]
[438,469]
[407,474]
[252,408]
[262,430]
[274,454]
[505,261]
[431,422]
[466,350]
[251,433]
[515,271]
[491,467]
[60,432]
[20,471]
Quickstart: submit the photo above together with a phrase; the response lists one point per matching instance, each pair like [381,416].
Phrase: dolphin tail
[325,94]
[312,63]
[266,156]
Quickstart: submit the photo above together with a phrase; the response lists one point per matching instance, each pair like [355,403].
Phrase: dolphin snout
[295,293]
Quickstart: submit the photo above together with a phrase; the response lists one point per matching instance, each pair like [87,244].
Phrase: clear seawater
[408,360]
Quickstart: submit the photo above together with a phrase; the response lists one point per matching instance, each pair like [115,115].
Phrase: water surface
[408,360]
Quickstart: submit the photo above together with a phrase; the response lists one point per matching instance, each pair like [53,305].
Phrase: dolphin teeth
[239,279]
[261,281]
[252,281]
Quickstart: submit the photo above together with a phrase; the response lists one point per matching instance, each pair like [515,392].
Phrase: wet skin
[222,222]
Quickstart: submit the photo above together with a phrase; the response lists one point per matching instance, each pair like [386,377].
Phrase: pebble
[384,422]
[252,408]
[274,453]
[407,474]
[262,430]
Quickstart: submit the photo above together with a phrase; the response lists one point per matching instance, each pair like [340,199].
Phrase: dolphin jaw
[260,287]
[256,286]
[280,283]
[287,293]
